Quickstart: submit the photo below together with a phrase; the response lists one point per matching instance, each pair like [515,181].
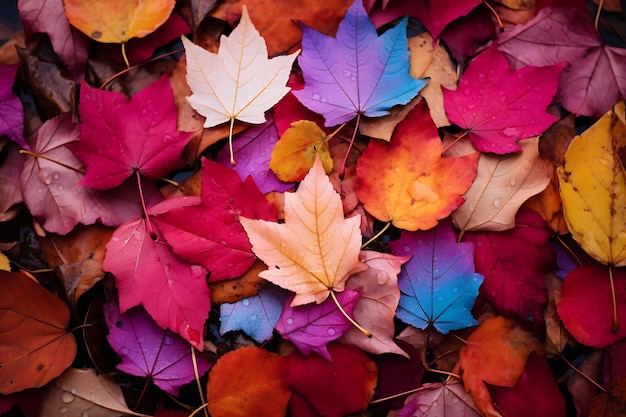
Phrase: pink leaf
[11,112]
[500,106]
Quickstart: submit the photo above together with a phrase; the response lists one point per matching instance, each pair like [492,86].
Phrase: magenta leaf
[216,239]
[149,351]
[311,327]
[357,72]
[119,137]
[147,272]
[595,76]
[500,106]
[437,14]
[11,111]
[256,316]
[252,149]
[438,285]
[47,16]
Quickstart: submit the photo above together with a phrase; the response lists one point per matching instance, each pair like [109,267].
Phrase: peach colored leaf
[239,82]
[406,181]
[316,249]
[82,392]
[440,399]
[503,183]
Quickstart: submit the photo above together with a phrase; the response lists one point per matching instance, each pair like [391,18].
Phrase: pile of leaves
[271,208]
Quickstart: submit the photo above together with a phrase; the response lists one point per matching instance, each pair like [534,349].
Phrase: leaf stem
[197,410]
[439,371]
[597,19]
[197,375]
[495,13]
[454,142]
[459,338]
[153,235]
[350,319]
[571,252]
[124,55]
[332,135]
[377,235]
[581,373]
[170,182]
[37,155]
[124,71]
[230,141]
[613,299]
[401,394]
[342,172]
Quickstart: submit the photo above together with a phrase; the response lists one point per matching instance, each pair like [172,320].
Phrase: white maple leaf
[239,82]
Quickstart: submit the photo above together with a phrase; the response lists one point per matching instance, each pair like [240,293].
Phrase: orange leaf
[407,182]
[611,403]
[316,250]
[35,346]
[248,382]
[116,21]
[495,354]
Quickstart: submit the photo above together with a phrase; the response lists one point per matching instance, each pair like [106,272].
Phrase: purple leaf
[256,315]
[357,72]
[438,285]
[149,351]
[311,327]
[252,150]
[11,112]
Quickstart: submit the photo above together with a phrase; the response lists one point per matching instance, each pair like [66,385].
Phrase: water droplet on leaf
[67,397]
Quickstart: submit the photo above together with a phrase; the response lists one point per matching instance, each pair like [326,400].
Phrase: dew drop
[141,339]
[223,242]
[352,78]
[455,289]
[436,273]
[316,96]
[144,112]
[471,106]
[455,400]
[323,100]
[73,390]
[493,293]
[56,176]
[168,341]
[467,91]
[167,138]
[381,278]
[482,78]
[107,144]
[434,403]
[283,243]
[63,409]
[301,254]
[331,331]
[604,161]
[346,73]
[480,243]
[253,317]
[289,321]
[84,414]
[497,202]
[67,397]
[439,298]
[407,249]
[245,302]
[60,188]
[513,181]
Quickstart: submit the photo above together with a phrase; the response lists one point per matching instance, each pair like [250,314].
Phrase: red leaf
[119,137]
[147,272]
[513,263]
[500,106]
[437,14]
[217,240]
[342,386]
[586,308]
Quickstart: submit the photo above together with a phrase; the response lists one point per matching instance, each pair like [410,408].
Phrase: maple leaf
[10,188]
[316,250]
[147,272]
[439,284]
[356,72]
[35,344]
[148,350]
[595,76]
[499,106]
[12,112]
[119,138]
[413,189]
[116,21]
[591,183]
[437,14]
[503,183]
[239,82]
[311,327]
[440,399]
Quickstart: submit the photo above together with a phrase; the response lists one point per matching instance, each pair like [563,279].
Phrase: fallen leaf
[311,327]
[586,308]
[375,309]
[411,189]
[239,82]
[147,272]
[233,290]
[120,138]
[333,388]
[11,113]
[295,151]
[256,315]
[242,381]
[438,284]
[117,21]
[502,184]
[440,399]
[10,188]
[80,391]
[499,106]
[495,354]
[611,403]
[592,180]
[556,335]
[466,36]
[358,82]
[316,250]
[149,351]
[535,393]
[35,345]
[594,78]
[436,14]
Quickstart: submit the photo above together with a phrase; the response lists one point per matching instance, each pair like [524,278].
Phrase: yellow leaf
[116,21]
[239,82]
[502,184]
[593,189]
[316,250]
[5,264]
[295,151]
